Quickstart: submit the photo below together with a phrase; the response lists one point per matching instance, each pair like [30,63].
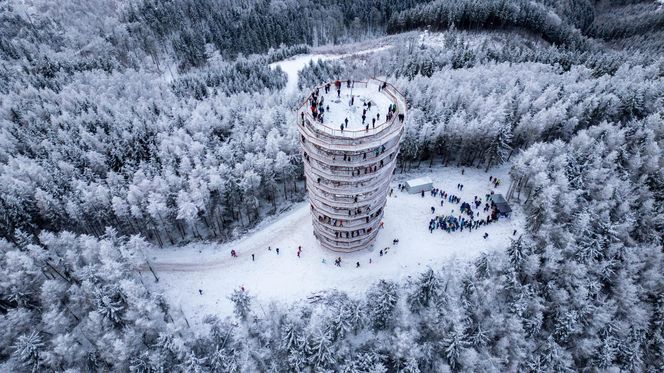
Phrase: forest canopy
[127,126]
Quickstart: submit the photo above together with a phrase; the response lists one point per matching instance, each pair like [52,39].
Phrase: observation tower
[349,134]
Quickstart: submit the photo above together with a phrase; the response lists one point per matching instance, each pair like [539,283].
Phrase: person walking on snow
[252,257]
[233,254]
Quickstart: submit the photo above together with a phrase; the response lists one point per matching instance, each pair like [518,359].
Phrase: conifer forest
[139,134]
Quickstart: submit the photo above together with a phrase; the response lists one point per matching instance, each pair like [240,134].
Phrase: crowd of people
[468,216]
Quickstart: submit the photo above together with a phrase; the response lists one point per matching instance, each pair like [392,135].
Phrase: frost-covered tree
[381,305]
[241,303]
[426,290]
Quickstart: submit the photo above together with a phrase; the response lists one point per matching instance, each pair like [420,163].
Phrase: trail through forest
[292,65]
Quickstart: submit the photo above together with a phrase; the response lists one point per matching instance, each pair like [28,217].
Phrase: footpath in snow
[293,65]
[286,278]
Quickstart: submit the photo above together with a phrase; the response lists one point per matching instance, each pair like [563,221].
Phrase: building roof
[501,204]
[419,181]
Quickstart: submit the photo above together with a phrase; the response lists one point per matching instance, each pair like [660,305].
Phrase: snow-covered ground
[285,277]
[292,65]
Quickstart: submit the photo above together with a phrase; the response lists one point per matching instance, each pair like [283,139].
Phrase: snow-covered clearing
[294,64]
[285,277]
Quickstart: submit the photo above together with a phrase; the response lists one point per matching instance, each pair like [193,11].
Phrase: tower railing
[354,134]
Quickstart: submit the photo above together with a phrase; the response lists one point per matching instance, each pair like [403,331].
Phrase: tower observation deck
[349,134]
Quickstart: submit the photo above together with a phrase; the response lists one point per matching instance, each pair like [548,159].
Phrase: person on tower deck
[348,84]
[373,121]
[346,122]
[401,118]
[364,117]
[369,105]
[342,127]
[367,128]
[352,100]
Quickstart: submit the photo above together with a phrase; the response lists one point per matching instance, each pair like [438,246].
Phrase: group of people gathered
[467,218]
[318,107]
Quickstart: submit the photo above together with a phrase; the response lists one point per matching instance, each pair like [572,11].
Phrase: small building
[418,185]
[501,204]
